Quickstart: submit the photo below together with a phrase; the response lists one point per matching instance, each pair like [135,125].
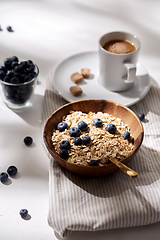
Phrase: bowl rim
[53,152]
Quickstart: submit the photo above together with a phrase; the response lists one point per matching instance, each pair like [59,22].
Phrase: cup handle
[131,72]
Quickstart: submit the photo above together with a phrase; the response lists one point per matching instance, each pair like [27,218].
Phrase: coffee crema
[119,47]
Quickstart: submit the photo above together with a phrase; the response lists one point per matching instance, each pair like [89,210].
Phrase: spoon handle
[131,173]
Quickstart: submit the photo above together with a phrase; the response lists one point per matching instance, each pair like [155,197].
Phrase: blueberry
[15,80]
[9,29]
[3,68]
[9,73]
[17,68]
[7,63]
[1,29]
[30,61]
[86,139]
[65,144]
[97,122]
[13,64]
[7,79]
[12,170]
[23,213]
[62,126]
[27,78]
[31,68]
[126,135]
[3,177]
[32,75]
[28,140]
[74,132]
[111,128]
[63,154]
[9,91]
[15,59]
[24,64]
[93,163]
[18,75]
[141,116]
[77,141]
[2,74]
[83,126]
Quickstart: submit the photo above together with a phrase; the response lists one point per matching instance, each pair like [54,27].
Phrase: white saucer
[91,87]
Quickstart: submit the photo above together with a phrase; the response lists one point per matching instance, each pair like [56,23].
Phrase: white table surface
[47,31]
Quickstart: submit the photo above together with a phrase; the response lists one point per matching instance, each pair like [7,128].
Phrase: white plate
[91,87]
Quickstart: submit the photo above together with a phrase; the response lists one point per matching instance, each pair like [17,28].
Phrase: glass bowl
[21,95]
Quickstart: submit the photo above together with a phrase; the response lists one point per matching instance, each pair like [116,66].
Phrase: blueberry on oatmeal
[126,135]
[65,144]
[62,126]
[74,132]
[111,128]
[77,141]
[83,126]
[97,122]
[63,154]
[93,163]
[86,139]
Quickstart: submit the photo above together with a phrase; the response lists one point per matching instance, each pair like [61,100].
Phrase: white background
[47,31]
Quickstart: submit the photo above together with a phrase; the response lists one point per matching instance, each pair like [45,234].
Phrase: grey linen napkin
[79,203]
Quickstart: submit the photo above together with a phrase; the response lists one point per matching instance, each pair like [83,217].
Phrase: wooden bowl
[94,105]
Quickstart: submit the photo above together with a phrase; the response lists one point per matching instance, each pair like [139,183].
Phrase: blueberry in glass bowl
[18,79]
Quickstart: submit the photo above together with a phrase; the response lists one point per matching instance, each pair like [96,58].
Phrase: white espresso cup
[117,72]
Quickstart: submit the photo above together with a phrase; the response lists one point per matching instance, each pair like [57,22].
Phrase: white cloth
[114,201]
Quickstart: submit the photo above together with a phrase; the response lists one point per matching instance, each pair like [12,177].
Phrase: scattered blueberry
[23,213]
[126,135]
[1,29]
[83,126]
[111,128]
[74,132]
[63,154]
[9,29]
[65,144]
[93,163]
[12,170]
[77,141]
[86,139]
[141,116]
[62,126]
[3,177]
[28,140]
[97,122]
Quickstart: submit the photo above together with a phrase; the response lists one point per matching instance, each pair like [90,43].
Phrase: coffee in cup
[119,46]
[118,57]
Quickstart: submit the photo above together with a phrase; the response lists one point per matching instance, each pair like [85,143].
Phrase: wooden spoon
[131,173]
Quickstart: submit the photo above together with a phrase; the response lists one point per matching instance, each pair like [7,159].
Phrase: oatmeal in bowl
[82,136]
